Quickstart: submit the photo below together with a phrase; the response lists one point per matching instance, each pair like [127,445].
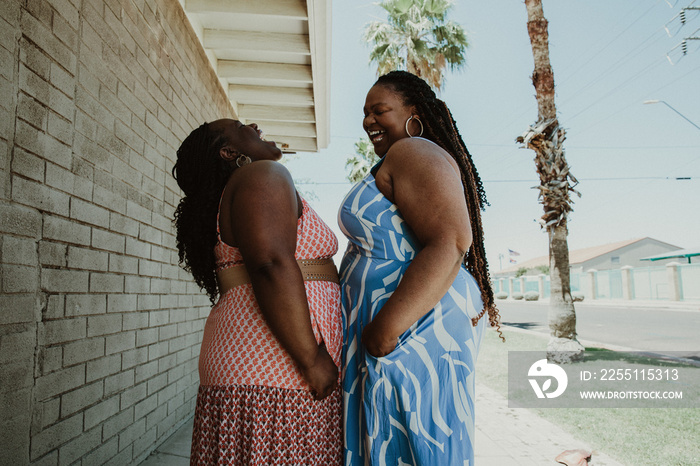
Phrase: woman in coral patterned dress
[271,348]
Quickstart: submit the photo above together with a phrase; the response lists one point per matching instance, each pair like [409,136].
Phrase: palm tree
[362,162]
[417,38]
[546,138]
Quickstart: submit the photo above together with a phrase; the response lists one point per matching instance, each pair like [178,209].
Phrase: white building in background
[604,257]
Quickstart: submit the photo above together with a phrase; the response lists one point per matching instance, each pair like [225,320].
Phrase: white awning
[273,58]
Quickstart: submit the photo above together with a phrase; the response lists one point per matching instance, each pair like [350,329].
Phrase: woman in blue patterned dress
[414,284]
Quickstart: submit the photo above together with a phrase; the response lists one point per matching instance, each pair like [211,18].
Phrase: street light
[663,102]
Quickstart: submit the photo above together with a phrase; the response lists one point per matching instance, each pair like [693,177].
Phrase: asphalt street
[642,328]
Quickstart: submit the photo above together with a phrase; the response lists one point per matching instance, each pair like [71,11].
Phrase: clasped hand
[322,375]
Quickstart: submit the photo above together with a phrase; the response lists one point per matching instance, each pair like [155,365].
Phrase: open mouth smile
[261,135]
[376,136]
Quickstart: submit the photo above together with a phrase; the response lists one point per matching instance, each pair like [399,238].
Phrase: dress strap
[376,167]
[218,213]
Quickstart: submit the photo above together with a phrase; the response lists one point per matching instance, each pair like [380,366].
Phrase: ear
[228,154]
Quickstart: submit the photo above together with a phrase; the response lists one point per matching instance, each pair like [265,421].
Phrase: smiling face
[385,117]
[244,139]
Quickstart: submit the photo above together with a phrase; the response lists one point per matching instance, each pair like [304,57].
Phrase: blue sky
[608,57]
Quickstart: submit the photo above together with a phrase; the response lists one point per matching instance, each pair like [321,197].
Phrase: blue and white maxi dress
[415,405]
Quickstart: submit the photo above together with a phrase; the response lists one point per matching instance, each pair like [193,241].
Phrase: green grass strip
[633,436]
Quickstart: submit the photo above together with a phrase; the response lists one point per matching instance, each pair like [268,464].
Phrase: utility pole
[684,16]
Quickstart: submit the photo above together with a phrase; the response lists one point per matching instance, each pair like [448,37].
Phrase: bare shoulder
[260,184]
[419,154]
[262,176]
[262,171]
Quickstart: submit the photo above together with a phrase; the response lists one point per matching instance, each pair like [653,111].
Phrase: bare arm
[264,212]
[425,185]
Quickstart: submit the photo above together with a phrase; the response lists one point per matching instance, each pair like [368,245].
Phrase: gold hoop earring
[421,127]
[242,160]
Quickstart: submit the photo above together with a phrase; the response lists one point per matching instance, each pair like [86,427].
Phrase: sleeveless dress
[415,405]
[253,406]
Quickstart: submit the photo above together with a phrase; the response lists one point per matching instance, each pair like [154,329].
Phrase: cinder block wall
[99,327]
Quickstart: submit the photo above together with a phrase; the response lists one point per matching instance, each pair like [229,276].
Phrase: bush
[501,295]
[577,296]
[532,296]
[517,296]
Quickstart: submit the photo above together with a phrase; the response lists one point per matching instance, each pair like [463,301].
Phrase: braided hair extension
[201,174]
[440,128]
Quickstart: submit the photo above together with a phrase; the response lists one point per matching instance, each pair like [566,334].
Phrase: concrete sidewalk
[518,436]
[504,436]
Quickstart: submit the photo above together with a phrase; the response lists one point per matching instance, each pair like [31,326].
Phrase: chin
[276,151]
[380,150]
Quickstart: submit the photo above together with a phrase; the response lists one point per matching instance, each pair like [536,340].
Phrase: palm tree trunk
[562,315]
[546,139]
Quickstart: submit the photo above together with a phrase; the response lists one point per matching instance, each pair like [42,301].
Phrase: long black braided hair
[440,127]
[201,174]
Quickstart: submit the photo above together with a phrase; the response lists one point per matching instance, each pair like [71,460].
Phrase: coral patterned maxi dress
[253,407]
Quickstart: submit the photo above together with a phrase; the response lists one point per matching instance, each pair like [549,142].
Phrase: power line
[619,86]
[599,147]
[615,89]
[641,47]
[598,53]
[514,145]
[620,63]
[605,74]
[631,178]
[636,102]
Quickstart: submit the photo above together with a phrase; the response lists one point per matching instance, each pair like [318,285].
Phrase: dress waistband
[311,269]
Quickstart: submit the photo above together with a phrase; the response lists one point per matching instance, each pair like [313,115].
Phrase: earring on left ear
[419,122]
[243,160]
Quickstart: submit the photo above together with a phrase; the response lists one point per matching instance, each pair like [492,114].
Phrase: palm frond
[362,161]
[437,8]
[397,7]
[417,37]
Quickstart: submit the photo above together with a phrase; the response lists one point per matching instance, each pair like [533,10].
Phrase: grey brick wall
[99,327]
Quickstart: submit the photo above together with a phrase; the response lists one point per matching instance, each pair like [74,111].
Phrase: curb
[683,306]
